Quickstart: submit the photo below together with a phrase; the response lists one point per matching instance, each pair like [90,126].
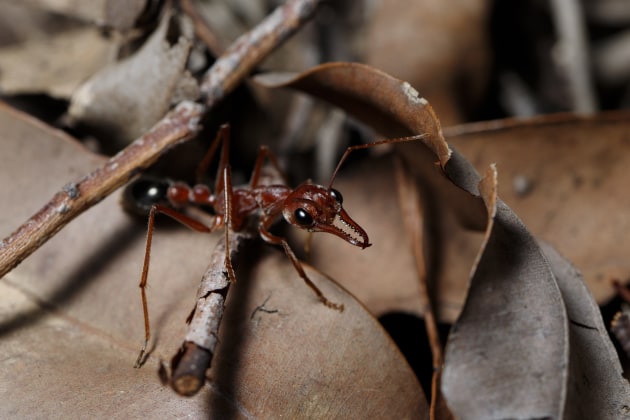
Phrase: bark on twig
[189,366]
[251,48]
[177,126]
[194,358]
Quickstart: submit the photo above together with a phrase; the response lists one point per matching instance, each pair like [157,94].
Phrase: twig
[611,59]
[195,356]
[250,49]
[202,28]
[176,127]
[409,202]
[607,12]
[572,53]
[74,198]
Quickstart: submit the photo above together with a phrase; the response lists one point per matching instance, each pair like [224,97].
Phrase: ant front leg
[183,219]
[276,240]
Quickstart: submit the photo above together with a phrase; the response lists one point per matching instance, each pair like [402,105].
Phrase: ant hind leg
[265,152]
[183,219]
[228,221]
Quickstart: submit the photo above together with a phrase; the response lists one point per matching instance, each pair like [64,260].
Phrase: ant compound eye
[303,218]
[336,195]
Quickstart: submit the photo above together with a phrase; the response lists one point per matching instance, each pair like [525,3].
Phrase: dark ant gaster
[309,206]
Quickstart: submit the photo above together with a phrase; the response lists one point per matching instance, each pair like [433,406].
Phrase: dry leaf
[118,14]
[72,325]
[440,48]
[69,58]
[508,353]
[394,109]
[596,387]
[568,199]
[565,176]
[383,277]
[114,101]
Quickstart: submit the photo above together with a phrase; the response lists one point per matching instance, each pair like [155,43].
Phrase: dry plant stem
[76,197]
[608,12]
[611,58]
[410,209]
[572,49]
[177,126]
[202,29]
[250,49]
[189,367]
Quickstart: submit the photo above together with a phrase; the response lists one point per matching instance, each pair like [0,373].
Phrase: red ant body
[309,206]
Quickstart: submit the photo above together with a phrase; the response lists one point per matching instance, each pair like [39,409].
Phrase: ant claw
[141,359]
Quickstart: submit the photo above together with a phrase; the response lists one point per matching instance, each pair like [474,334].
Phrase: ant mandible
[311,207]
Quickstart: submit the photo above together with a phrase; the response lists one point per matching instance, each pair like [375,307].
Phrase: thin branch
[572,53]
[611,59]
[189,366]
[177,126]
[410,208]
[75,197]
[202,28]
[251,48]
[194,358]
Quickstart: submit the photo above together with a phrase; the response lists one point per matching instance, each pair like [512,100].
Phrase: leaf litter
[513,334]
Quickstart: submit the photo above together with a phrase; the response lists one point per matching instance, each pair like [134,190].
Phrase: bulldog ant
[311,207]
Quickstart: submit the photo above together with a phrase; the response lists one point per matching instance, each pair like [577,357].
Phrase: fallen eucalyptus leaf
[596,387]
[395,109]
[320,363]
[71,321]
[572,172]
[114,101]
[507,354]
[488,371]
[118,14]
[69,58]
[445,47]
[383,277]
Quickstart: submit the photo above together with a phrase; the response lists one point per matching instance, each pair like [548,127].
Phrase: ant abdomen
[141,194]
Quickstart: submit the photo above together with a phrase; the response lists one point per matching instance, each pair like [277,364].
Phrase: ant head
[142,193]
[319,209]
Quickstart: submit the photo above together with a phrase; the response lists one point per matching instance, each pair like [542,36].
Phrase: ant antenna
[368,145]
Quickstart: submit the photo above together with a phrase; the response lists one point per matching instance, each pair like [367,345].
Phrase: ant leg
[367,146]
[183,219]
[228,217]
[276,240]
[264,152]
[223,135]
